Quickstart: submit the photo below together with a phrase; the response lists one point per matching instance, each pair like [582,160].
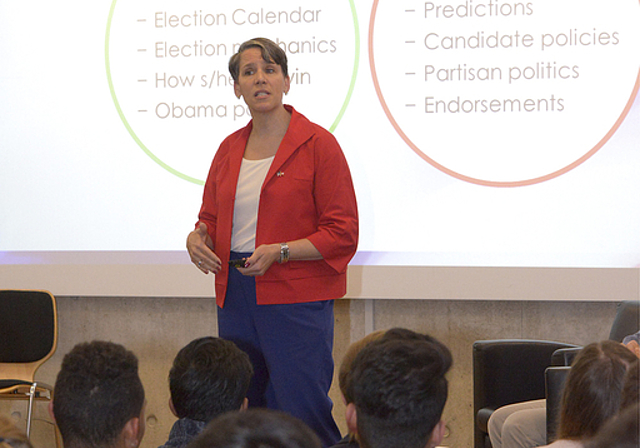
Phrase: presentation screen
[481,134]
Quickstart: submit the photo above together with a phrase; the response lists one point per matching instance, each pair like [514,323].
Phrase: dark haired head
[399,389]
[347,361]
[209,376]
[271,53]
[97,392]
[256,428]
[593,389]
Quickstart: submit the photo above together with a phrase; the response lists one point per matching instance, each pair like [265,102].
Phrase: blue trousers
[290,347]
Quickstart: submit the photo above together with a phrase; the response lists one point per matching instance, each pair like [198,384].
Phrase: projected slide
[504,93]
[479,133]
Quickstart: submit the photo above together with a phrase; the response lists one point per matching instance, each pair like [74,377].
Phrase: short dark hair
[593,388]
[399,389]
[97,391]
[263,428]
[347,362]
[209,376]
[271,53]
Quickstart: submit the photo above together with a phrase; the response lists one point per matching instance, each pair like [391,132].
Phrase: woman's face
[261,83]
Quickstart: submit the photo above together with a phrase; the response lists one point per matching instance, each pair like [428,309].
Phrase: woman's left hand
[261,260]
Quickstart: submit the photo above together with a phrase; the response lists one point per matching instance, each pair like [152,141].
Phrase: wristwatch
[284,253]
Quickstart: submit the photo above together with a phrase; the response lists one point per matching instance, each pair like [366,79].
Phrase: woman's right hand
[200,247]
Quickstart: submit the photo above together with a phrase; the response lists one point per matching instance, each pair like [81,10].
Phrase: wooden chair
[28,337]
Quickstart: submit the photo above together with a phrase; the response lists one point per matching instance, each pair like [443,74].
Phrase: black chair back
[27,326]
[627,320]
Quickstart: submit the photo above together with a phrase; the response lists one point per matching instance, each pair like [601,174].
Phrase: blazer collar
[300,130]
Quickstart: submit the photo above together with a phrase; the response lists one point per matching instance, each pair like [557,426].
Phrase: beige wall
[155,329]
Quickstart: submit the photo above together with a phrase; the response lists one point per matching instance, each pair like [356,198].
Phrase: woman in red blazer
[279,197]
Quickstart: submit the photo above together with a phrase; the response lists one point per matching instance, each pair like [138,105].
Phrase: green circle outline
[186,177]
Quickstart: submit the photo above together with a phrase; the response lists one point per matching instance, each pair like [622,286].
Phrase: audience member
[524,425]
[632,342]
[399,390]
[592,392]
[256,428]
[350,440]
[98,399]
[11,436]
[210,376]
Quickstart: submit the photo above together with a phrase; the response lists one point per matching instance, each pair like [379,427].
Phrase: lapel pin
[280,173]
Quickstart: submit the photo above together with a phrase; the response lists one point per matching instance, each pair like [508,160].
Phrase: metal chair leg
[32,394]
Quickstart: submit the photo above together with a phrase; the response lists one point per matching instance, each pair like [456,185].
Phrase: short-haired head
[209,376]
[347,361]
[399,389]
[271,53]
[592,392]
[11,436]
[256,428]
[96,393]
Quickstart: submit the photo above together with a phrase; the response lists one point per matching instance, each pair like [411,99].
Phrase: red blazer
[308,193]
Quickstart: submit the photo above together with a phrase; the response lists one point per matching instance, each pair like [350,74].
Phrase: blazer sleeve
[336,237]
[208,211]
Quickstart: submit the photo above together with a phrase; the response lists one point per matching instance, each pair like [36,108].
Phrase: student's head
[593,389]
[347,361]
[256,428]
[399,390]
[271,53]
[11,436]
[209,376]
[98,397]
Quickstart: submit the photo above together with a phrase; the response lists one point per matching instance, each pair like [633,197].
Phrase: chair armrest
[482,418]
[555,378]
[564,356]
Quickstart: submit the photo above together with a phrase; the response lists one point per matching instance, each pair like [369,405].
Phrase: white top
[245,212]
[564,443]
